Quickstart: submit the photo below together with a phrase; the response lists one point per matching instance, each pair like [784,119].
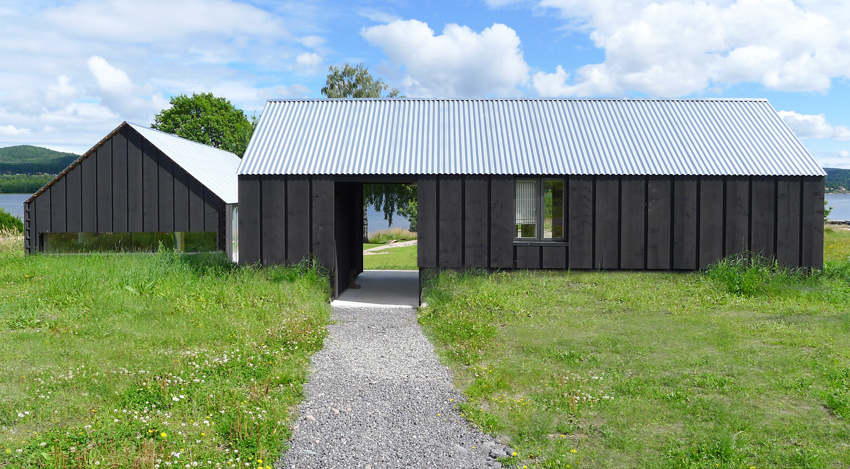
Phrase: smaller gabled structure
[138,180]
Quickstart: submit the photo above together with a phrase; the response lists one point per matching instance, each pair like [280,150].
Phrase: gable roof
[525,137]
[212,167]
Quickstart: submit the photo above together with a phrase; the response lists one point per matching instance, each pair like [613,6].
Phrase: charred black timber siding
[612,222]
[124,185]
[626,222]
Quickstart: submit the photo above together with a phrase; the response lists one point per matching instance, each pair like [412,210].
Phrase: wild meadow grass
[383,236]
[403,258]
[159,360]
[743,366]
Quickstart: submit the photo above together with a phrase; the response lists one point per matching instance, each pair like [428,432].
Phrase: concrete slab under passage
[382,288]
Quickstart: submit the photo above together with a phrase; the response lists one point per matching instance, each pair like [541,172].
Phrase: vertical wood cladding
[297,218]
[322,220]
[273,219]
[135,194]
[250,227]
[684,221]
[502,223]
[763,217]
[737,236]
[125,185]
[475,219]
[181,199]
[104,187]
[788,213]
[89,195]
[450,224]
[57,207]
[120,179]
[633,217]
[73,200]
[426,201]
[607,226]
[659,204]
[150,187]
[627,222]
[166,194]
[812,222]
[580,226]
[710,221]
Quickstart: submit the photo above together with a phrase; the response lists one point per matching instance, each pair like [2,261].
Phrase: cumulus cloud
[118,93]
[308,62]
[593,81]
[12,131]
[814,126]
[671,48]
[60,93]
[83,66]
[458,63]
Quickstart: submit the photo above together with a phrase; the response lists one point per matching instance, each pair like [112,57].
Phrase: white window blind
[526,202]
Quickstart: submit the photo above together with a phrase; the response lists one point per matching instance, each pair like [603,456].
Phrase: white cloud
[458,63]
[814,126]
[377,16]
[593,81]
[312,42]
[12,131]
[61,93]
[308,62]
[164,21]
[672,48]
[83,66]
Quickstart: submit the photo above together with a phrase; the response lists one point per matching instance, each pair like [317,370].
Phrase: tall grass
[155,360]
[744,366]
[384,236]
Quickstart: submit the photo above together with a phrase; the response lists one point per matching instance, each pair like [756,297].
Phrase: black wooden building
[137,180]
[534,183]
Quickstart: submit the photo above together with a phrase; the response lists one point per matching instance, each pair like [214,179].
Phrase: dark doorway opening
[350,228]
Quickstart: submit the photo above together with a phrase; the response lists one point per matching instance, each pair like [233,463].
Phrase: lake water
[840,204]
[14,203]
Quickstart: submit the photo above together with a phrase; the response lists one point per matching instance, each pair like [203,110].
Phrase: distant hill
[837,180]
[27,159]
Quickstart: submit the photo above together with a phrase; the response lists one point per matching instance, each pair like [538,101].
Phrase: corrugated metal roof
[212,167]
[525,136]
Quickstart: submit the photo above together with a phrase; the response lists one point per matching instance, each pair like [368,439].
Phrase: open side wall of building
[124,185]
[611,222]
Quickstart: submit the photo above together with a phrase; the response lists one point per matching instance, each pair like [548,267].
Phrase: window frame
[540,183]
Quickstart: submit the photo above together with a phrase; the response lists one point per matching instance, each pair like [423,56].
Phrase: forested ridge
[25,168]
[837,180]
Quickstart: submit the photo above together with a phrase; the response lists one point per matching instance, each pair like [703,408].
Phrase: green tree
[356,82]
[207,119]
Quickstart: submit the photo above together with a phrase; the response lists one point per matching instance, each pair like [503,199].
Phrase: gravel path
[378,397]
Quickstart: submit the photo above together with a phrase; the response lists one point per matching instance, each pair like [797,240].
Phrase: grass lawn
[737,368]
[151,360]
[403,258]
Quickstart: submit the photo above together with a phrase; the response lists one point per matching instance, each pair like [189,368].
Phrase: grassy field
[158,360]
[403,258]
[741,367]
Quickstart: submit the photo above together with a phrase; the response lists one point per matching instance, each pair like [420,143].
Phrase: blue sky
[75,69]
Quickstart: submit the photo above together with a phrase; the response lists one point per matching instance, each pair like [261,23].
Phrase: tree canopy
[355,82]
[207,119]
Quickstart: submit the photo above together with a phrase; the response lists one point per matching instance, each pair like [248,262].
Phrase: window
[540,209]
